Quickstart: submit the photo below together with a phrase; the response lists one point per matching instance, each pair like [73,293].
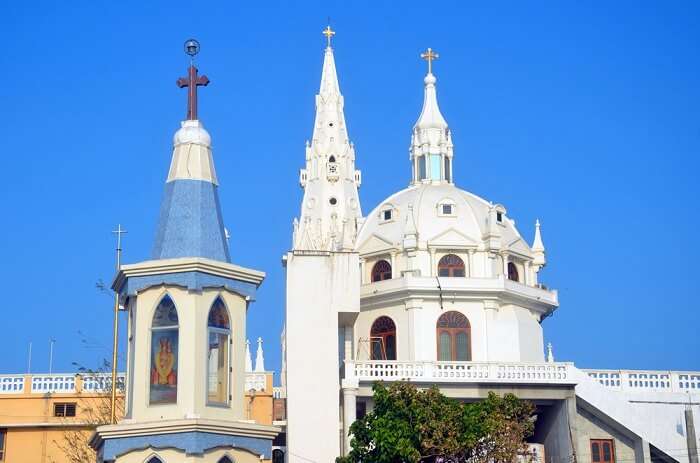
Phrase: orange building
[50,418]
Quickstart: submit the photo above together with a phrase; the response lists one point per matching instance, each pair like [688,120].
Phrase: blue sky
[585,115]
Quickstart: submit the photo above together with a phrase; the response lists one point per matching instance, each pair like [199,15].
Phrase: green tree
[409,425]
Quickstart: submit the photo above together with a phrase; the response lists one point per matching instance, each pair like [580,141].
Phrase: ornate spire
[248,359]
[331,205]
[259,358]
[538,248]
[431,145]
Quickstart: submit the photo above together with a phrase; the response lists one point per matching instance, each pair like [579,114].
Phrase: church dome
[437,213]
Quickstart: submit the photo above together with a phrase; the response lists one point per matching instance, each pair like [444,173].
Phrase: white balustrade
[255,382]
[279,392]
[647,381]
[12,384]
[53,383]
[459,372]
[102,382]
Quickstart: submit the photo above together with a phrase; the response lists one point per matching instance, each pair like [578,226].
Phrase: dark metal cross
[192,81]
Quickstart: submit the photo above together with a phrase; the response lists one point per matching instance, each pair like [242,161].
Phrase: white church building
[436,286]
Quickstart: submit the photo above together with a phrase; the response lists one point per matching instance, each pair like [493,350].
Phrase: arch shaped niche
[453,337]
[154,459]
[218,353]
[383,339]
[164,353]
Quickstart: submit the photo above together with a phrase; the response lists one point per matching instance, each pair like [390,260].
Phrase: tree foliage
[408,425]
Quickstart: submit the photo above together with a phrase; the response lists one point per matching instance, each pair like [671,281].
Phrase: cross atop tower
[429,55]
[329,33]
[192,81]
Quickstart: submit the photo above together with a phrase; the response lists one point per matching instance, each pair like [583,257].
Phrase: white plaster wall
[193,310]
[656,424]
[318,288]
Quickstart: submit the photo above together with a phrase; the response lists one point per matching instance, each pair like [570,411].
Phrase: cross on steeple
[329,33]
[429,56]
[192,81]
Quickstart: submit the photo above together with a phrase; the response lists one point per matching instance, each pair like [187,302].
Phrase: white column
[349,414]
[433,270]
[393,265]
[526,277]
[348,343]
[470,271]
[504,256]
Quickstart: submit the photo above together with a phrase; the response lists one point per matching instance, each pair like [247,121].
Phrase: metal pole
[690,434]
[29,362]
[51,355]
[115,345]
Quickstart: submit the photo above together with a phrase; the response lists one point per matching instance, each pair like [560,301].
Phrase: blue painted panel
[194,281]
[190,223]
[192,443]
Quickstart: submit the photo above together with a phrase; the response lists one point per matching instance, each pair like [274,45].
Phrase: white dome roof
[467,226]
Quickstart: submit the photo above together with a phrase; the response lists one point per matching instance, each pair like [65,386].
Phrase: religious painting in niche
[164,353]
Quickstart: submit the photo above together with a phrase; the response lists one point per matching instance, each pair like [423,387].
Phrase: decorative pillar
[504,258]
[393,264]
[433,271]
[470,271]
[526,276]
[349,413]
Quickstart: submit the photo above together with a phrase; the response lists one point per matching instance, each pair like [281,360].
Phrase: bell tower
[187,311]
[323,276]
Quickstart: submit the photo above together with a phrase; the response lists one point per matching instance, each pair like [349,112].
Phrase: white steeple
[431,143]
[259,358]
[248,360]
[538,248]
[331,205]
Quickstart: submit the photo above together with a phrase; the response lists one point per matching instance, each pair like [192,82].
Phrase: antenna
[29,361]
[51,343]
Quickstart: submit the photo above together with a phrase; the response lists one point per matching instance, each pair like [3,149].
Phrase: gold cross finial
[329,33]
[429,56]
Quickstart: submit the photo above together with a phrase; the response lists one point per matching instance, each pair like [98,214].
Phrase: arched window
[383,339]
[331,159]
[453,338]
[225,459]
[164,344]
[513,272]
[218,345]
[154,460]
[451,266]
[381,271]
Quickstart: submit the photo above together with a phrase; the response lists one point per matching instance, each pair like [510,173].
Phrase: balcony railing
[255,381]
[460,372]
[647,381]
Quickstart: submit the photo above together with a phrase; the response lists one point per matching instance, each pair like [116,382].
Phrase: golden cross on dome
[329,33]
[429,56]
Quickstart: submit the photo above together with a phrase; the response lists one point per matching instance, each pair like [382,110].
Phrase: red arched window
[383,339]
[451,266]
[381,271]
[513,272]
[453,338]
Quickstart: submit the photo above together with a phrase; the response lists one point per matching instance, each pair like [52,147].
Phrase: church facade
[436,286]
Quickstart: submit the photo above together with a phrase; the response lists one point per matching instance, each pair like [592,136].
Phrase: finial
[259,357]
[550,354]
[329,33]
[192,81]
[429,55]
